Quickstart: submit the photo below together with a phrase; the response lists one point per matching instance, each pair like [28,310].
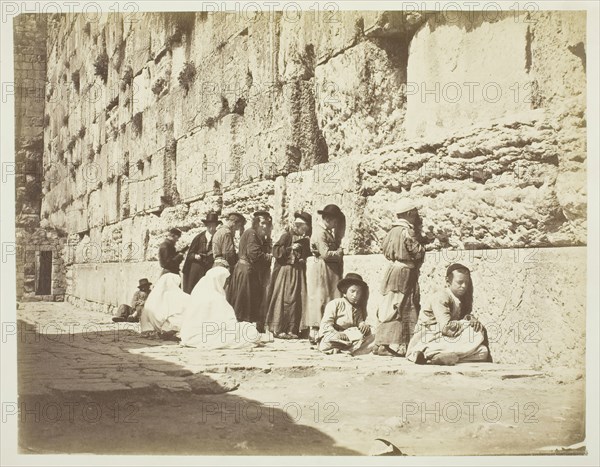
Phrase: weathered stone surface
[530,317]
[292,111]
[202,384]
[515,297]
[361,97]
[343,90]
[452,84]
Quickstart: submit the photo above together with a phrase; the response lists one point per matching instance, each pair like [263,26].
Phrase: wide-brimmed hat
[405,205]
[175,231]
[264,214]
[332,210]
[212,217]
[144,283]
[241,218]
[351,279]
[306,217]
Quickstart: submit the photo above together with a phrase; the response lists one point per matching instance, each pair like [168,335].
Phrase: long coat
[246,289]
[399,308]
[323,272]
[286,296]
[194,269]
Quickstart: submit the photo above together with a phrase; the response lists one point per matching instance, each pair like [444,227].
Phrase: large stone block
[451,83]
[214,158]
[531,300]
[538,321]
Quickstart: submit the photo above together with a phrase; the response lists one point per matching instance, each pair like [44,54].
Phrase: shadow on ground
[161,418]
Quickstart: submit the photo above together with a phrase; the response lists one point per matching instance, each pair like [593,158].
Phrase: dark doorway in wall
[43,276]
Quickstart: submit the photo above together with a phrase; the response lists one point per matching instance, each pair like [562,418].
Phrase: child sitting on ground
[134,312]
[343,327]
[446,332]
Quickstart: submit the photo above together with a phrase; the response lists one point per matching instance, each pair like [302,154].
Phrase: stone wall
[532,301]
[154,119]
[30,82]
[30,246]
[199,111]
[30,79]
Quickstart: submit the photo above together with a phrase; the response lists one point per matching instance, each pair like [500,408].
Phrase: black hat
[175,231]
[331,210]
[241,218]
[351,279]
[212,217]
[263,214]
[144,283]
[306,217]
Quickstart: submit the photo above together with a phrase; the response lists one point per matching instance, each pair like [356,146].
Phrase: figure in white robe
[165,306]
[446,332]
[210,323]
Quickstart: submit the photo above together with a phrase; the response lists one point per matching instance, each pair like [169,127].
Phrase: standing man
[223,248]
[264,271]
[245,292]
[168,257]
[400,306]
[200,255]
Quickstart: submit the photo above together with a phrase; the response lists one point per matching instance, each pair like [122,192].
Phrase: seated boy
[343,327]
[446,332]
[134,312]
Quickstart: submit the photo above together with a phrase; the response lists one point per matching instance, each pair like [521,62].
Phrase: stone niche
[40,266]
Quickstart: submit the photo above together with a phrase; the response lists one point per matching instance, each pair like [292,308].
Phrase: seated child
[132,313]
[446,333]
[343,326]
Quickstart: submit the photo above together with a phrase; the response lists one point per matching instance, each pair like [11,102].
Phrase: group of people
[229,297]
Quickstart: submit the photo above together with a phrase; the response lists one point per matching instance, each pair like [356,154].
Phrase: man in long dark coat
[200,256]
[286,296]
[246,290]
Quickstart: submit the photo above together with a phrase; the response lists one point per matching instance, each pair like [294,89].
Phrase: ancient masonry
[40,266]
[151,120]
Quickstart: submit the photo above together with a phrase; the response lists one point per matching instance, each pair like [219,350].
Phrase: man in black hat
[247,287]
[134,312]
[327,268]
[286,298]
[200,255]
[168,257]
[224,253]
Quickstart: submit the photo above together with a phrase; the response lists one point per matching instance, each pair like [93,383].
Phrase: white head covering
[211,323]
[165,305]
[210,293]
[405,205]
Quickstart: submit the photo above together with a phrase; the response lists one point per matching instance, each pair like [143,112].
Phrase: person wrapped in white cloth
[165,306]
[210,322]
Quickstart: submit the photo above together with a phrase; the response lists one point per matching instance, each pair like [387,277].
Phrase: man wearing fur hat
[399,309]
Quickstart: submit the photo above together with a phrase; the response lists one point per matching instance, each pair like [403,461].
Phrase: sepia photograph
[308,229]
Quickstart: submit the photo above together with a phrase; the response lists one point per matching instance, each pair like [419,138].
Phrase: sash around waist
[404,264]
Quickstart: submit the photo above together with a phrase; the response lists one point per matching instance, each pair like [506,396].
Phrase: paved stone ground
[89,385]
